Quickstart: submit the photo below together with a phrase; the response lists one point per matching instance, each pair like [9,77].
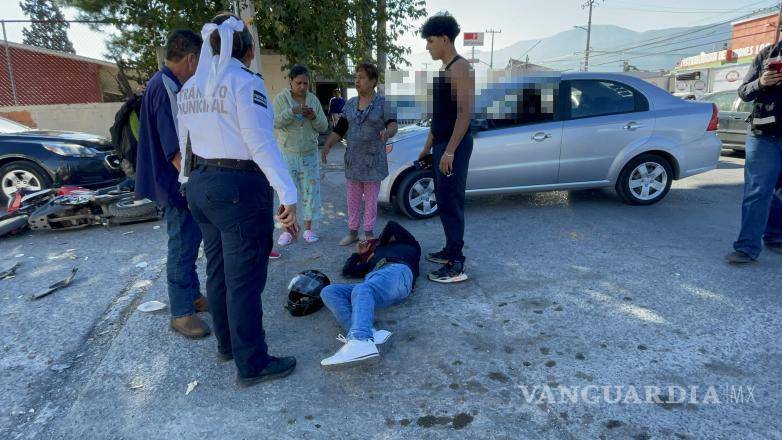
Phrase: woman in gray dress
[366,125]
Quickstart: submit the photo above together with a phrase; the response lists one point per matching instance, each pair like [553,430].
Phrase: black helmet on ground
[304,292]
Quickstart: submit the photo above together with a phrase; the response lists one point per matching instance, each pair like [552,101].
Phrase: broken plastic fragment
[156,227]
[191,386]
[19,255]
[58,285]
[151,306]
[127,233]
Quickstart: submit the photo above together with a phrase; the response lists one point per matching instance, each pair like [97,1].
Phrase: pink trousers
[365,192]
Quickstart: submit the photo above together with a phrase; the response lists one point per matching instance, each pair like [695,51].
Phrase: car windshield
[7,126]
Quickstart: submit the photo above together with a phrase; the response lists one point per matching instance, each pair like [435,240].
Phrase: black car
[39,159]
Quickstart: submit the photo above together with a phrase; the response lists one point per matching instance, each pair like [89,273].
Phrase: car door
[726,106]
[605,117]
[515,155]
[740,126]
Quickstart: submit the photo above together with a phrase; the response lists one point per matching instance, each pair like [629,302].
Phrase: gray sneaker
[738,257]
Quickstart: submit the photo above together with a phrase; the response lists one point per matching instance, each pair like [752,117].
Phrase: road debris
[142,265]
[191,386]
[18,255]
[127,233]
[151,306]
[7,274]
[57,286]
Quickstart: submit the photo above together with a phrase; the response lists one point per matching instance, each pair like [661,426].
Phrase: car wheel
[415,195]
[645,180]
[22,174]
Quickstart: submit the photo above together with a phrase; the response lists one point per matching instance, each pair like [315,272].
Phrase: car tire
[131,209]
[414,185]
[35,174]
[13,224]
[636,189]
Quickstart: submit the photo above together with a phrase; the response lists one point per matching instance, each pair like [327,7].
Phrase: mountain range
[650,50]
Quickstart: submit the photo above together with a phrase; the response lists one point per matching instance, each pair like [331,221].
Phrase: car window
[746,107]
[723,101]
[590,98]
[509,107]
[7,126]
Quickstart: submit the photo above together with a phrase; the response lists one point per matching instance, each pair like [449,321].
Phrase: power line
[657,40]
[679,48]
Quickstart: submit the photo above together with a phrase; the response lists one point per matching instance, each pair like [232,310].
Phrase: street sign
[473,38]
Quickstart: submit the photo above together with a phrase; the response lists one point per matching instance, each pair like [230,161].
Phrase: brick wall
[44,79]
[754,32]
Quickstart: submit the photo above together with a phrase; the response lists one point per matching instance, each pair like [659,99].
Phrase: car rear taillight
[714,123]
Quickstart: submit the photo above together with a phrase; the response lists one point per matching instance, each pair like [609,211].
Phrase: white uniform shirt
[235,123]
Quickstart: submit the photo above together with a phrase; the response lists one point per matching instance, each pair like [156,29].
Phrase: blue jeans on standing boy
[354,304]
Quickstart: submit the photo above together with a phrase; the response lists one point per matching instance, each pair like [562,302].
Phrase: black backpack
[122,139]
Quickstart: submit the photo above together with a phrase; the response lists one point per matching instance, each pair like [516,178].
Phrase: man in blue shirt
[157,178]
[335,107]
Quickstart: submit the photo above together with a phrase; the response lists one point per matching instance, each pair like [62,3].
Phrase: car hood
[88,140]
[409,131]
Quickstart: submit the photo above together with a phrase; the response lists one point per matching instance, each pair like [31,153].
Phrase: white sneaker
[381,336]
[351,353]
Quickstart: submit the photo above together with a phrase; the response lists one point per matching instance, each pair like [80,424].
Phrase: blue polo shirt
[156,177]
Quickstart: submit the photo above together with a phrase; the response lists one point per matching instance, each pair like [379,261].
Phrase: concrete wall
[275,79]
[94,118]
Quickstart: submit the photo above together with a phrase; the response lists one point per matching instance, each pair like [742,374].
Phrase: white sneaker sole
[369,359]
[457,279]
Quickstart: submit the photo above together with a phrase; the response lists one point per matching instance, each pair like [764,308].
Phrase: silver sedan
[606,130]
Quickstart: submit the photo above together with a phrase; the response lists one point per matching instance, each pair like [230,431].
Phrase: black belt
[231,164]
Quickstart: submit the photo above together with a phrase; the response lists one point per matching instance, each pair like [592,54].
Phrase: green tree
[51,35]
[326,35]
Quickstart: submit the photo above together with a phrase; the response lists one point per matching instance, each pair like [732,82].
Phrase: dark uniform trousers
[234,210]
[450,195]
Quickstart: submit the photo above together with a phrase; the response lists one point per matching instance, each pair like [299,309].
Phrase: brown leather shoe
[190,326]
[201,304]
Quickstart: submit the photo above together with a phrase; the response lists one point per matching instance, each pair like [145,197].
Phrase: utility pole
[491,60]
[779,25]
[245,9]
[10,66]
[589,4]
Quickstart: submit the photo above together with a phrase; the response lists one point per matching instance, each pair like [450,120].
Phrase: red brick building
[44,77]
[754,31]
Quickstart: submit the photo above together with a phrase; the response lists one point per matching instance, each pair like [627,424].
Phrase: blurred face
[363,83]
[436,46]
[300,85]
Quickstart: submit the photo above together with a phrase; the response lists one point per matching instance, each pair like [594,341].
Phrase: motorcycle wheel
[129,209]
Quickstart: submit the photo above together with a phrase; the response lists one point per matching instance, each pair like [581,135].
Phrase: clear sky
[517,19]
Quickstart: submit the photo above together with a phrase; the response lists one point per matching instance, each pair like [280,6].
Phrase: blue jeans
[234,211]
[184,239]
[354,304]
[761,210]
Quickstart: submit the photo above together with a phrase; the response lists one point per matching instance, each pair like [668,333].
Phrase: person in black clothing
[389,265]
[449,142]
[761,209]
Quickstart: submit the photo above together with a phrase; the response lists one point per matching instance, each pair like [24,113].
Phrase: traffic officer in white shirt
[224,112]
